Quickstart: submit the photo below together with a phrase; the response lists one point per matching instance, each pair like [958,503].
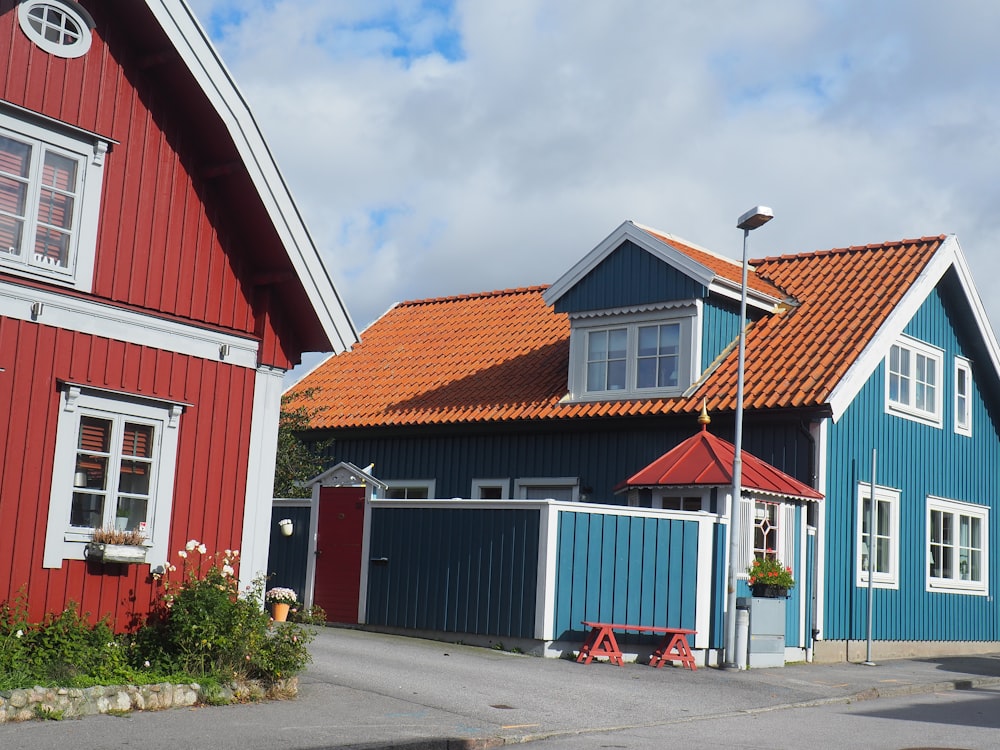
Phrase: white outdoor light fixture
[755,217]
[286,526]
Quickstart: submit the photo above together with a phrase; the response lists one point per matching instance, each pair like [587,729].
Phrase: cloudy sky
[441,147]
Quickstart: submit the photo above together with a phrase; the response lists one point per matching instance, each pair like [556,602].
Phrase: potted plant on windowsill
[769,578]
[115,545]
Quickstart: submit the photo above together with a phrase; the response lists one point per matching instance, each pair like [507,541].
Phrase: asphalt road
[370,690]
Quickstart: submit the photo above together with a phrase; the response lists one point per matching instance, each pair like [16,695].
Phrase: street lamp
[755,217]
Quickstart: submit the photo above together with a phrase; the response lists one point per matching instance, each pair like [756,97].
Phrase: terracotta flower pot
[279,610]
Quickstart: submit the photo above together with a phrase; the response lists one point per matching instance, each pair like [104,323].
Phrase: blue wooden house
[547,400]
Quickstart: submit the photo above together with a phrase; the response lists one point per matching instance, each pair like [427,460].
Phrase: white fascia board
[106,321]
[627,231]
[949,255]
[199,55]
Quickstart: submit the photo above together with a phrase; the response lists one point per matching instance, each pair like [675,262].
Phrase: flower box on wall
[117,553]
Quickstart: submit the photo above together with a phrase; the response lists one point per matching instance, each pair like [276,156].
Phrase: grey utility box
[767,631]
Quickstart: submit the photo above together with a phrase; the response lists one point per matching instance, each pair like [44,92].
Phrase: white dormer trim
[663,251]
[949,255]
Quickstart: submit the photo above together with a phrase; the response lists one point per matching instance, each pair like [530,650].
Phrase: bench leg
[674,647]
[600,642]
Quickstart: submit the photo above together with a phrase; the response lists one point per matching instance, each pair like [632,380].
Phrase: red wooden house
[156,282]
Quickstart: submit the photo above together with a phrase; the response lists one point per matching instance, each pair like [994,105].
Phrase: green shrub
[206,626]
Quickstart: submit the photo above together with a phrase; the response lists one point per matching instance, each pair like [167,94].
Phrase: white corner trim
[260,474]
[98,319]
[196,51]
[878,346]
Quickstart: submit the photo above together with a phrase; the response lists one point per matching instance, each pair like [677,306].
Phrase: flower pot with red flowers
[769,578]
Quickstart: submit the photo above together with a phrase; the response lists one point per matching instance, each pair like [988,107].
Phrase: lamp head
[755,217]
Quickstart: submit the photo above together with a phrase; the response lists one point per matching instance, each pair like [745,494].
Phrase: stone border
[72,703]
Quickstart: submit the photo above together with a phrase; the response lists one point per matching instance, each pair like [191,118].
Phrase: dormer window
[637,355]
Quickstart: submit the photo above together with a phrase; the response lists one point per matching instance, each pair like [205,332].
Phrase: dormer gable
[639,304]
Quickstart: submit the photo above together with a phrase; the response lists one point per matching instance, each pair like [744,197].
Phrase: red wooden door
[340,527]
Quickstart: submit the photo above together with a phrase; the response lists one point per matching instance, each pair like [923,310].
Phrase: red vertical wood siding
[159,246]
[212,456]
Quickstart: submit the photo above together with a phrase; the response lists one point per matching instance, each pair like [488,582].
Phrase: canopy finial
[703,418]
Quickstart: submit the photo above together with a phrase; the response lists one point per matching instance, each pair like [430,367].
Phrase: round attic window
[60,27]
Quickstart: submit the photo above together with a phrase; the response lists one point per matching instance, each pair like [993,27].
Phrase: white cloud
[445,149]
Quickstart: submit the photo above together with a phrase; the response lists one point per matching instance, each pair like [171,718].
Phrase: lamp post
[755,217]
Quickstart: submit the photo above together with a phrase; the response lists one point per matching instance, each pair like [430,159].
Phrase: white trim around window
[52,178]
[957,546]
[886,558]
[60,27]
[410,489]
[93,480]
[491,489]
[633,355]
[914,381]
[547,488]
[963,396]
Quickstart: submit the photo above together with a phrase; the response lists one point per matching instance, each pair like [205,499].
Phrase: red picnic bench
[602,642]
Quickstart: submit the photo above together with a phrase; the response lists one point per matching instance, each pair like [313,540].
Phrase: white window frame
[785,521]
[687,364]
[963,400]
[427,485]
[884,497]
[88,151]
[907,409]
[66,542]
[957,509]
[70,10]
[523,485]
[480,484]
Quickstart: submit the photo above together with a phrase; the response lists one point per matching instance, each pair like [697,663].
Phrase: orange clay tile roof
[726,268]
[503,356]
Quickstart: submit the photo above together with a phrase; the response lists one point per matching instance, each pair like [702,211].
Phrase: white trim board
[84,316]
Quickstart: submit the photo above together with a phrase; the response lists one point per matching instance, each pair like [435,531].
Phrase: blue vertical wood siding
[918,460]
[601,453]
[629,276]
[454,570]
[720,328]
[624,569]
[287,556]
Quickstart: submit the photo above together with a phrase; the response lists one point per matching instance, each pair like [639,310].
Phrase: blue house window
[913,381]
[878,537]
[957,546]
[633,355]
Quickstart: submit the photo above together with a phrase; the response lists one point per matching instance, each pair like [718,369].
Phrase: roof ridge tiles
[476,295]
[850,249]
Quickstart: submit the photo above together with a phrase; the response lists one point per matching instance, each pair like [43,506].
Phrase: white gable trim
[656,247]
[949,255]
[204,63]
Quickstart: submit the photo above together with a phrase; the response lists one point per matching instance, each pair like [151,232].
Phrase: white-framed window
[881,553]
[913,381]
[649,499]
[410,489]
[50,187]
[957,546]
[766,529]
[963,396]
[633,355]
[114,466]
[547,488]
[490,489]
[60,27]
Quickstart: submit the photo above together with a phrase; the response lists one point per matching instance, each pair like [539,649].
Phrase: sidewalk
[371,690]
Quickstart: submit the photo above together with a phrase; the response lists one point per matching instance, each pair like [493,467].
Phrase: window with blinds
[113,479]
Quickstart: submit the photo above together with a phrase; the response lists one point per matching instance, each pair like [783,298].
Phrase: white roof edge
[949,255]
[202,60]
[627,230]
